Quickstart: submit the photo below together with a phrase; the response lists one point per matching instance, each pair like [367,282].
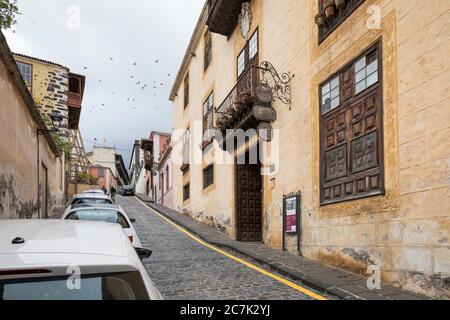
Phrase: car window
[104,215]
[117,286]
[90,201]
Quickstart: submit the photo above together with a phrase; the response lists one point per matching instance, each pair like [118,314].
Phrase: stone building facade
[54,88]
[32,168]
[364,138]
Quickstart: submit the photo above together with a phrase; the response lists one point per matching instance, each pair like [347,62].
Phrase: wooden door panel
[249,202]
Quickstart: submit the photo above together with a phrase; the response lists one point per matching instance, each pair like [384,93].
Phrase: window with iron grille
[186,192]
[340,15]
[186,91]
[208,176]
[208,49]
[352,131]
[101,173]
[25,71]
[208,114]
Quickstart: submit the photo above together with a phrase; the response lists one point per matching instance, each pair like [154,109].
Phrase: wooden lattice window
[208,176]
[352,131]
[208,49]
[340,14]
[186,91]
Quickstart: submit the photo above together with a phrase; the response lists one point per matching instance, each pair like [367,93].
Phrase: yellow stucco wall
[408,229]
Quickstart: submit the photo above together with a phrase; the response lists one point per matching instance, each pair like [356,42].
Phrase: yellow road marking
[247,264]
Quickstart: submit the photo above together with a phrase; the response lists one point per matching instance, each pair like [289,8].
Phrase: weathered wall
[18,158]
[408,229]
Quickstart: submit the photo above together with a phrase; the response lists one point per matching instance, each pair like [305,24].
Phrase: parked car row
[92,253]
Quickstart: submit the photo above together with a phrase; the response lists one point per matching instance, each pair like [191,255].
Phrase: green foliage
[8,11]
[85,178]
[62,145]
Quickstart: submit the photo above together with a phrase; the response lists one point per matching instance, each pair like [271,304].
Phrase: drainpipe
[38,174]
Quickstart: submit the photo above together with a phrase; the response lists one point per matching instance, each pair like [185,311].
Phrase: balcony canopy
[224,16]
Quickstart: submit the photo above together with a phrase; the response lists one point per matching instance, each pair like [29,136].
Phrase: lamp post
[56,119]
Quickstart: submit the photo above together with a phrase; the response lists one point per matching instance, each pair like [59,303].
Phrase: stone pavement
[318,276]
[183,269]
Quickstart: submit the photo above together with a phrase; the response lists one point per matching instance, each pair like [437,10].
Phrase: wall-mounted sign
[291,215]
[292,218]
[264,93]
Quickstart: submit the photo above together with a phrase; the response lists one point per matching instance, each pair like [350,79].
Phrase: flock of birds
[143,86]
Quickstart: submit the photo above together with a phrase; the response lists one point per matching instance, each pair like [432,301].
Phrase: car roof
[89,206]
[62,236]
[90,196]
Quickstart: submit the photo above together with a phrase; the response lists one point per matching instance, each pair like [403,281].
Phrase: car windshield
[117,286]
[90,201]
[104,215]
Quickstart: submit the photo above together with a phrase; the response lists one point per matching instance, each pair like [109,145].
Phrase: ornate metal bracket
[281,85]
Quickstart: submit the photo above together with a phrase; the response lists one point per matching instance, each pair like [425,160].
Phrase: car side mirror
[143,253]
[133,220]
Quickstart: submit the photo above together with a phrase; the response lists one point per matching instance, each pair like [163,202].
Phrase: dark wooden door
[248,200]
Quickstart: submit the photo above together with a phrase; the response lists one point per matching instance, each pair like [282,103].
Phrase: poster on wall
[291,215]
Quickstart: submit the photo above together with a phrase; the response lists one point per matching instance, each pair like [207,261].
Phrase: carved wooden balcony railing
[239,110]
[224,15]
[74,99]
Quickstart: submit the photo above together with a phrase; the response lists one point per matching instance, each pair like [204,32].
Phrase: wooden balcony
[242,109]
[74,99]
[224,15]
[148,161]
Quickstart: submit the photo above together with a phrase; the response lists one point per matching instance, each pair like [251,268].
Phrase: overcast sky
[113,37]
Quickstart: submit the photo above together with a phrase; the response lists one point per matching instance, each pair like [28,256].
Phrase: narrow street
[183,269]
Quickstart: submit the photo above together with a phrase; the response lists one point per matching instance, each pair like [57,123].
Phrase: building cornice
[196,36]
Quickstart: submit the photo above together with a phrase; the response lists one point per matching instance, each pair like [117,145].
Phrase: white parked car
[71,260]
[88,198]
[95,191]
[104,213]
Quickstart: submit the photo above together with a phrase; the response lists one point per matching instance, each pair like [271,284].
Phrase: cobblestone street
[183,269]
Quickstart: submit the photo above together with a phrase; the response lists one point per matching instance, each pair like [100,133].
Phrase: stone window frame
[349,177]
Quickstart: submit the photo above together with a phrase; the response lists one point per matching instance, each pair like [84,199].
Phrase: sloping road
[184,269]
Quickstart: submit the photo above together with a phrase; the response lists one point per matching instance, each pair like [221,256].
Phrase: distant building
[136,168]
[122,173]
[107,157]
[164,194]
[105,176]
